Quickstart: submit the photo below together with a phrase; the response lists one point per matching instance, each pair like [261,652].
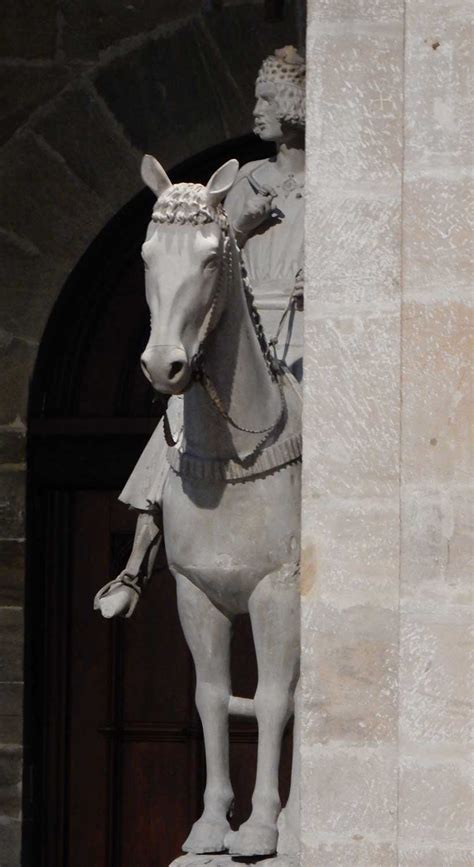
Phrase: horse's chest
[233,532]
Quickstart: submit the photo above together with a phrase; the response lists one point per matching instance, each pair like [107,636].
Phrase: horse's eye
[211,261]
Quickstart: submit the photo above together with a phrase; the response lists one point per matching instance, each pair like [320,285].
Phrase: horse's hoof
[207,836]
[252,838]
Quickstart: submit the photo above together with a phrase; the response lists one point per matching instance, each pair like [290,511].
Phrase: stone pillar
[435,804]
[385,513]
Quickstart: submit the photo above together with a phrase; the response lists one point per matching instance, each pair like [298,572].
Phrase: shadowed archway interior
[113,750]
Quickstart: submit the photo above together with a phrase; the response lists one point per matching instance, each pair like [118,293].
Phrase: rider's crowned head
[280,94]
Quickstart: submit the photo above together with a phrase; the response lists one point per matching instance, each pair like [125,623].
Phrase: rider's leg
[208,634]
[120,596]
[145,547]
[274,613]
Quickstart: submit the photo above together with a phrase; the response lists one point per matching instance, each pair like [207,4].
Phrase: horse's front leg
[208,633]
[274,613]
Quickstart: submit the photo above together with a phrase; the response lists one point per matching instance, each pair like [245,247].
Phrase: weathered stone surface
[11,708]
[24,312]
[353,449]
[355,546]
[358,105]
[350,685]
[435,803]
[92,145]
[352,445]
[12,504]
[17,358]
[352,11]
[74,213]
[171,115]
[19,262]
[12,447]
[11,645]
[10,781]
[437,238]
[22,90]
[436,799]
[89,29]
[359,271]
[428,856]
[10,842]
[12,572]
[358,853]
[437,387]
[28,29]
[347,793]
[438,548]
[439,46]
[435,675]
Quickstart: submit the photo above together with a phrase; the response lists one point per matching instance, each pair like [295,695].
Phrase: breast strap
[233,470]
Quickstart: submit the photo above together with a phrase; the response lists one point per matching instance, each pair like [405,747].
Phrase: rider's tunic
[273,256]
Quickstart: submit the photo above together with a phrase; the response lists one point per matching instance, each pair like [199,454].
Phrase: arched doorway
[114,767]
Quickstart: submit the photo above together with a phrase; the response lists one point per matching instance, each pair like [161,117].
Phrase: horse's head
[184,255]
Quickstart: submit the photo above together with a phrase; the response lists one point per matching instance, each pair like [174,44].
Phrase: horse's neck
[234,362]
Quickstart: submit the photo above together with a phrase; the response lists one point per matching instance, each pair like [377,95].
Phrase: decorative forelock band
[188,203]
[285,66]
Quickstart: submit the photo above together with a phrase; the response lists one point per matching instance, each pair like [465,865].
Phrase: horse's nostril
[175,369]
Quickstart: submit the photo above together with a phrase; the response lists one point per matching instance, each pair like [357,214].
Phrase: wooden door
[114,759]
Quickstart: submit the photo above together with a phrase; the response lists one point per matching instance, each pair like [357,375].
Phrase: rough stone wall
[85,88]
[386,515]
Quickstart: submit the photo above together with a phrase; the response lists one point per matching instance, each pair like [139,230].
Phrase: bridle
[198,372]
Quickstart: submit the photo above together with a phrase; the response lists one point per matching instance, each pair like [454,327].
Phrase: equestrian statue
[224,285]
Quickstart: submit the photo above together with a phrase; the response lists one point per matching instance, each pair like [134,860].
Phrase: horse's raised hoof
[252,838]
[207,837]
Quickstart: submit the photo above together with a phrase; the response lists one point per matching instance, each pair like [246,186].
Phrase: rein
[198,372]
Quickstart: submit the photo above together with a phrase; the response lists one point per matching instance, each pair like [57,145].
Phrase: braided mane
[188,203]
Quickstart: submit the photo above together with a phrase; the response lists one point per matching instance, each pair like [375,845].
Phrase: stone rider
[266,210]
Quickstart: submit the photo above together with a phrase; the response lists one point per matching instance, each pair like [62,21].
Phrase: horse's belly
[226,537]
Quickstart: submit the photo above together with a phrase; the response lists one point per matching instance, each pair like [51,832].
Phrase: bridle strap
[198,372]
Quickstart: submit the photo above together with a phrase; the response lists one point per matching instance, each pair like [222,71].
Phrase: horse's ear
[219,185]
[154,175]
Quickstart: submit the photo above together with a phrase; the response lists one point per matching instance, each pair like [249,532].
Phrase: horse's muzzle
[167,368]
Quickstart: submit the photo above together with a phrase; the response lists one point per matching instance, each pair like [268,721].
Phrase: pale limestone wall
[435,804]
[386,513]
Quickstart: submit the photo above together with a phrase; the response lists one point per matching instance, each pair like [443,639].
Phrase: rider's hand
[298,291]
[256,211]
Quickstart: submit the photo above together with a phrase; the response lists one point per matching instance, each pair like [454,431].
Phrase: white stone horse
[231,501]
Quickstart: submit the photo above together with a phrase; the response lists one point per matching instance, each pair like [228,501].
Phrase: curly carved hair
[187,203]
[285,70]
[291,107]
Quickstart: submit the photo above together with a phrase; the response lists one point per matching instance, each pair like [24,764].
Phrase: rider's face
[267,124]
